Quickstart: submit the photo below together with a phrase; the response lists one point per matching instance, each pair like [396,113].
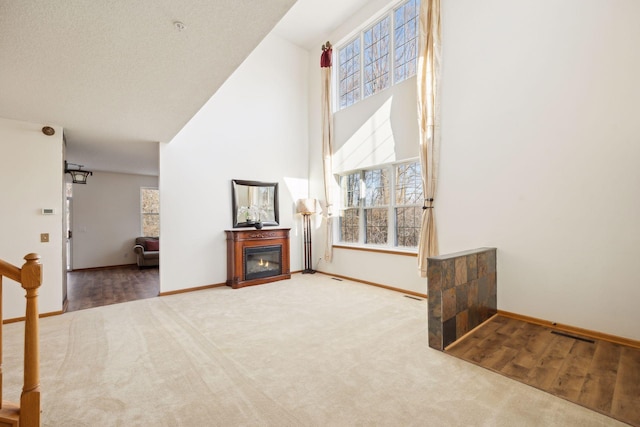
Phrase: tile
[461,270]
[491,261]
[472,267]
[472,294]
[462,298]
[448,304]
[483,290]
[492,300]
[434,306]
[434,277]
[448,332]
[474,317]
[435,339]
[448,274]
[482,264]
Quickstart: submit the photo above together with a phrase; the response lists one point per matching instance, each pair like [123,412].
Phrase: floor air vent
[573,336]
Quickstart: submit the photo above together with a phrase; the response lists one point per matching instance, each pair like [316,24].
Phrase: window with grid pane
[349,73]
[405,28]
[376,57]
[150,211]
[409,200]
[376,206]
[350,218]
[382,206]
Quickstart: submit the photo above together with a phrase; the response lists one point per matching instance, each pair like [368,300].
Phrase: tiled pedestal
[462,290]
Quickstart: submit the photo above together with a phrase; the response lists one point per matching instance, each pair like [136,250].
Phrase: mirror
[254,201]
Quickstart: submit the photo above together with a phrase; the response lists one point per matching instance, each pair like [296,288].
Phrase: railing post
[31,280]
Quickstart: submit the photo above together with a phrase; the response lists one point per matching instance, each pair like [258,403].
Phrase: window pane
[400,40]
[376,226]
[405,31]
[350,225]
[349,73]
[384,27]
[151,225]
[150,200]
[350,189]
[377,187]
[408,222]
[368,38]
[368,56]
[377,54]
[409,184]
[409,201]
[150,215]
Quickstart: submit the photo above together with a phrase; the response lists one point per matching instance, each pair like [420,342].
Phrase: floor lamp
[307,207]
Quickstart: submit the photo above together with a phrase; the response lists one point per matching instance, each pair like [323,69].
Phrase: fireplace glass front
[262,261]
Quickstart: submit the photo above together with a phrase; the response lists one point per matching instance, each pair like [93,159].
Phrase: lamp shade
[306,206]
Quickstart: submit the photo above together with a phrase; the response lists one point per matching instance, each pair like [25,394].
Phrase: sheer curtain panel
[429,120]
[327,147]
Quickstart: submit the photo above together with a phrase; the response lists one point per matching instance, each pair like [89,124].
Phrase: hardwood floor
[95,288]
[596,374]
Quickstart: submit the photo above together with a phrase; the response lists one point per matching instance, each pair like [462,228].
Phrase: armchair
[147,251]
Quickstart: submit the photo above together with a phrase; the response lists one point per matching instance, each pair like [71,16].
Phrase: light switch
[44,237]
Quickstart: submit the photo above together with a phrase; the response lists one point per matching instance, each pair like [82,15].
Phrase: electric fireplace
[262,261]
[255,257]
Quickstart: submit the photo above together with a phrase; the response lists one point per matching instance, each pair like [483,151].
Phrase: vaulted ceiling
[120,76]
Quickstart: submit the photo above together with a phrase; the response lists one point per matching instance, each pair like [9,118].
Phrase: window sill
[394,251]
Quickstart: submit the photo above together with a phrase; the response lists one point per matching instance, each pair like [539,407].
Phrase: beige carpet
[310,351]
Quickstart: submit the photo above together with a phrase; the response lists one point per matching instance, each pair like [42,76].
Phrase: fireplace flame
[267,264]
[261,262]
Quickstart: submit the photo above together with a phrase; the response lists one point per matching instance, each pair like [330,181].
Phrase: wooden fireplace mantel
[238,239]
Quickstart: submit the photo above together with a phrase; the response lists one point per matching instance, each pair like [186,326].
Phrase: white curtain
[327,148]
[429,120]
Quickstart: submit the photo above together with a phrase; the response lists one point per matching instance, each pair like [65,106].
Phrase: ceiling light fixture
[179,25]
[48,130]
[78,175]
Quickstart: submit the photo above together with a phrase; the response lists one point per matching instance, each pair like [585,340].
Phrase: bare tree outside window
[150,211]
[376,57]
[388,48]
[349,73]
[350,217]
[409,198]
[376,204]
[405,24]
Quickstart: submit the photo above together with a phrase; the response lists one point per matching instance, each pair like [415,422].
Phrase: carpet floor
[310,351]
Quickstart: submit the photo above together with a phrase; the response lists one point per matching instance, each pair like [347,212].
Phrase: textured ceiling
[119,76]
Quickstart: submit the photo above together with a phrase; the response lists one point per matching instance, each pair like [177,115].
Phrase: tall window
[406,39]
[382,206]
[349,73]
[379,56]
[150,211]
[376,57]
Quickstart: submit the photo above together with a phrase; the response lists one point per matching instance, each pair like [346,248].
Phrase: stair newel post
[30,398]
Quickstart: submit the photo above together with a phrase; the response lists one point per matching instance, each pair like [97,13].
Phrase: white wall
[31,177]
[253,128]
[540,149]
[106,219]
[539,157]
[380,129]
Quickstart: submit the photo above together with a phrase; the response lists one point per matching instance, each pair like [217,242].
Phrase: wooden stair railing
[28,413]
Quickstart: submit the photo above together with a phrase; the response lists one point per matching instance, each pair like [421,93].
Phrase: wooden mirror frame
[270,205]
